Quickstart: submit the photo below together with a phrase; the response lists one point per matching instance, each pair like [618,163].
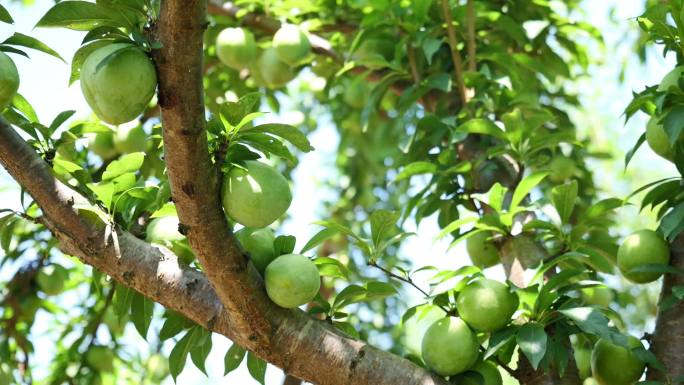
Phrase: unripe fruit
[356,93]
[256,195]
[118,81]
[615,365]
[599,295]
[100,358]
[29,307]
[163,230]
[415,327]
[51,279]
[292,280]
[291,44]
[658,140]
[102,145]
[486,305]
[271,70]
[488,373]
[9,80]
[482,251]
[259,244]
[583,361]
[561,168]
[524,249]
[128,140]
[643,247]
[449,347]
[671,79]
[236,48]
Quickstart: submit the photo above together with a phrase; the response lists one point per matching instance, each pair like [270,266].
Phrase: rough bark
[668,339]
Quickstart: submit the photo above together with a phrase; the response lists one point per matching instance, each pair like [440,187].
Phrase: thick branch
[472,61]
[307,348]
[668,338]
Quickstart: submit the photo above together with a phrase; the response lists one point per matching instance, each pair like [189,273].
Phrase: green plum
[486,305]
[613,364]
[292,280]
[449,347]
[236,47]
[643,247]
[483,253]
[118,81]
[259,244]
[291,44]
[256,195]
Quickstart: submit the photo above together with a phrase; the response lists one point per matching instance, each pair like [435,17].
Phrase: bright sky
[44,81]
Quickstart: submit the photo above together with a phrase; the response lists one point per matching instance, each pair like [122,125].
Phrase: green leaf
[179,354]
[318,238]
[455,225]
[256,367]
[348,295]
[284,244]
[234,112]
[5,16]
[268,145]
[80,56]
[60,119]
[377,290]
[630,154]
[481,126]
[416,168]
[285,131]
[672,224]
[499,339]
[564,198]
[30,42]
[23,106]
[525,186]
[592,321]
[174,324]
[123,297]
[142,310]
[383,222]
[346,231]
[330,267]
[674,123]
[78,15]
[125,164]
[532,341]
[233,358]
[201,351]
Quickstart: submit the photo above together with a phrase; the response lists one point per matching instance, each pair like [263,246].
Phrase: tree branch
[455,54]
[668,339]
[470,24]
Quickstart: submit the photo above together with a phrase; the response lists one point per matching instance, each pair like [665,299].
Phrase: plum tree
[236,47]
[255,195]
[292,280]
[644,247]
[483,253]
[612,364]
[291,44]
[449,347]
[118,81]
[259,244]
[9,80]
[129,139]
[486,305]
[51,279]
[657,139]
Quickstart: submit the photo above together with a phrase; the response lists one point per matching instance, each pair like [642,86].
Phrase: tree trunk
[668,339]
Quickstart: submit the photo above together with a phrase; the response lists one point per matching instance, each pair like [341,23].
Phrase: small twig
[455,55]
[472,63]
[411,53]
[407,280]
